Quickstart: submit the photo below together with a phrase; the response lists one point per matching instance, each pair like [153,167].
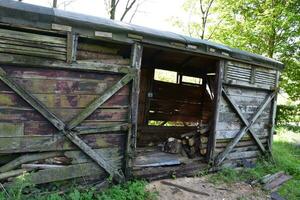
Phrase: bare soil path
[238,191]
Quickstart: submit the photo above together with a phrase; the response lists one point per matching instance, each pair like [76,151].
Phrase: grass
[133,190]
[286,155]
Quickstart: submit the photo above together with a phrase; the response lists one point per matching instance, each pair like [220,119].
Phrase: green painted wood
[31,100]
[99,101]
[220,158]
[97,157]
[11,129]
[244,120]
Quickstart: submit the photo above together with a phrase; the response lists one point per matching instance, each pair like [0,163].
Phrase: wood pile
[191,144]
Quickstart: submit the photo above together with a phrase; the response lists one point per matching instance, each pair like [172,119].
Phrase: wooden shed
[83,97]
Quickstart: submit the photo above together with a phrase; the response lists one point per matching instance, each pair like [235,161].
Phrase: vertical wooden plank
[216,105]
[273,114]
[72,41]
[136,60]
[253,72]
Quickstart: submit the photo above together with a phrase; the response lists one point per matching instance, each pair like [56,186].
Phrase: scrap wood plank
[274,184]
[28,158]
[184,188]
[65,173]
[220,158]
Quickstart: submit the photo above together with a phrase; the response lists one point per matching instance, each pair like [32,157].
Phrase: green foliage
[286,155]
[287,114]
[134,190]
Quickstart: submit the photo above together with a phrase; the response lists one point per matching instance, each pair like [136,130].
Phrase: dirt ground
[238,191]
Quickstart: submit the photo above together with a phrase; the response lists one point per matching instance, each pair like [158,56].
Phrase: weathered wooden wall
[65,93]
[247,87]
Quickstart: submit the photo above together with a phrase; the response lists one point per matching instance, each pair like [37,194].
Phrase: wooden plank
[65,173]
[101,129]
[13,173]
[72,40]
[58,142]
[11,129]
[31,100]
[26,158]
[98,158]
[113,155]
[39,38]
[241,133]
[99,101]
[216,104]
[22,60]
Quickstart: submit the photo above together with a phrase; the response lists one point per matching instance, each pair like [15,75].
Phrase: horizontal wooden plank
[233,125]
[10,41]
[11,129]
[18,35]
[58,143]
[99,48]
[232,133]
[16,115]
[241,155]
[87,66]
[246,141]
[62,100]
[65,173]
[114,156]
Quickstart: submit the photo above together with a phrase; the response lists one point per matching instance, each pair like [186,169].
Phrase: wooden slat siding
[72,41]
[136,61]
[36,45]
[114,155]
[59,142]
[242,132]
[86,66]
[100,53]
[99,101]
[216,104]
[273,114]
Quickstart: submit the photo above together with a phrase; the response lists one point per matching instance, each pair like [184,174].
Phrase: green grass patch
[286,156]
[133,190]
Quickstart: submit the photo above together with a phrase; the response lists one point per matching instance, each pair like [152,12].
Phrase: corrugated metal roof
[27,14]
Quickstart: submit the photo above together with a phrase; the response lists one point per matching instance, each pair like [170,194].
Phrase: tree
[199,18]
[267,27]
[130,6]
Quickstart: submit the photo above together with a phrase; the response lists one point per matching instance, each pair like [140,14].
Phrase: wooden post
[217,95]
[136,60]
[72,41]
[273,114]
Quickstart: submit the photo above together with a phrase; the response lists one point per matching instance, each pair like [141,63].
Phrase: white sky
[152,13]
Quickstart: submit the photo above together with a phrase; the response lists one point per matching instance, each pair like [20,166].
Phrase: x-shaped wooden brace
[68,129]
[220,158]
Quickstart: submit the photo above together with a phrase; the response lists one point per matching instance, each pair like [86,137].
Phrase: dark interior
[176,98]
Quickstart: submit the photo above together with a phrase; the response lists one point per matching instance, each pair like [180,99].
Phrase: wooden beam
[136,60]
[31,100]
[72,41]
[99,101]
[220,158]
[244,120]
[101,129]
[216,106]
[24,61]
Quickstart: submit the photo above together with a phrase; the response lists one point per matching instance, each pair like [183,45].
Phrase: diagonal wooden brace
[99,101]
[59,124]
[220,158]
[244,120]
[31,100]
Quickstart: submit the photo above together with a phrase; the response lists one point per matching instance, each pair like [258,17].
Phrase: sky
[152,13]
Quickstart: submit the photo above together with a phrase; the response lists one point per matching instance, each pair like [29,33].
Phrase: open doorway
[175,108]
